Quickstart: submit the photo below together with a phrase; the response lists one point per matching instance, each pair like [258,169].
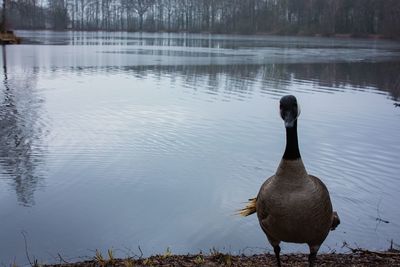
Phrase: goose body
[293,206]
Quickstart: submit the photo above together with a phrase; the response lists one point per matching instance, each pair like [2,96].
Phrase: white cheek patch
[298,110]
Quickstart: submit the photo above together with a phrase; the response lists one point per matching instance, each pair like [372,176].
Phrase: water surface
[117,140]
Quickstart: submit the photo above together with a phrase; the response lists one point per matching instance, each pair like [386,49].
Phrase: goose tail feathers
[335,220]
[249,209]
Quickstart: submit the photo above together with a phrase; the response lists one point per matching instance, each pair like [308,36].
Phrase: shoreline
[355,257]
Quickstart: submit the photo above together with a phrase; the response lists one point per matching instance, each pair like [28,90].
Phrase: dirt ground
[355,258]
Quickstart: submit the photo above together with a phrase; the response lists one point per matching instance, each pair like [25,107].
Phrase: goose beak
[289,119]
[289,123]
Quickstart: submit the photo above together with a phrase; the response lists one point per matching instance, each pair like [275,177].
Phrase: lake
[127,140]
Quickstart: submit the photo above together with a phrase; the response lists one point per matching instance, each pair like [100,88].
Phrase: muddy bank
[355,258]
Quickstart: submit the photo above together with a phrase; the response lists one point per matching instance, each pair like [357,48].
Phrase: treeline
[326,17]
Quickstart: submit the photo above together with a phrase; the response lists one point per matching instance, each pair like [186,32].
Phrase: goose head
[289,110]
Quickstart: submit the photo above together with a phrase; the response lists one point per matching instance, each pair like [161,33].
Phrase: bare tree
[356,17]
[141,7]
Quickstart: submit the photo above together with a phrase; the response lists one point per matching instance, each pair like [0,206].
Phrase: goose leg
[277,250]
[275,244]
[313,255]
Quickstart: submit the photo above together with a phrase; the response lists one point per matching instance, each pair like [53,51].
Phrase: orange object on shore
[8,37]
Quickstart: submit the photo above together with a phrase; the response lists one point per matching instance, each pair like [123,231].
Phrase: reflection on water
[274,79]
[156,140]
[383,76]
[277,78]
[18,134]
[195,40]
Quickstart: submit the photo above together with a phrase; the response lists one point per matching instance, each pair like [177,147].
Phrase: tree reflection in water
[19,153]
[276,78]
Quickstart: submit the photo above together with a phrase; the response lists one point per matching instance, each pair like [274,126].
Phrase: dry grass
[356,258]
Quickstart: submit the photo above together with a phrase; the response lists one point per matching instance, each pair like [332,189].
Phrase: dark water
[115,140]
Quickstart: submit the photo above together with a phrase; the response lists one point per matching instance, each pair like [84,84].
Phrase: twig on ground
[378,213]
[62,259]
[141,253]
[26,248]
[365,251]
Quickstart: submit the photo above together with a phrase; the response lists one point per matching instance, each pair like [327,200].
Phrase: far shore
[335,35]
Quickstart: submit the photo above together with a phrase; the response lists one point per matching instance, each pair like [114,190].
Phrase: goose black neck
[292,151]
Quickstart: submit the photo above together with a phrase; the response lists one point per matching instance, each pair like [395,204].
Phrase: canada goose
[293,206]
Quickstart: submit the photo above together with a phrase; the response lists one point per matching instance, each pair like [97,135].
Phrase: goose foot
[311,259]
[313,254]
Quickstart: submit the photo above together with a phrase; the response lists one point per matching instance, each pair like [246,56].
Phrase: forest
[296,17]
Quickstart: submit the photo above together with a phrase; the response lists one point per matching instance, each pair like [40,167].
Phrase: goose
[292,205]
